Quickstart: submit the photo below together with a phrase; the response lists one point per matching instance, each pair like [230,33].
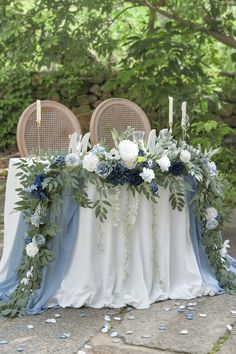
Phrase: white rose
[72,160]
[211,213]
[147,175]
[185,156]
[90,162]
[128,152]
[164,163]
[31,249]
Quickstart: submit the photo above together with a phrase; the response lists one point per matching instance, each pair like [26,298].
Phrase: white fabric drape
[109,266]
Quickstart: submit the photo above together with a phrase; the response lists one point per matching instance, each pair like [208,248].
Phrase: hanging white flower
[128,152]
[25,281]
[164,163]
[90,162]
[113,154]
[29,274]
[31,249]
[147,175]
[211,213]
[224,251]
[72,160]
[185,156]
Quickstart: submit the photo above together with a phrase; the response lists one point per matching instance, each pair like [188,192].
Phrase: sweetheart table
[101,264]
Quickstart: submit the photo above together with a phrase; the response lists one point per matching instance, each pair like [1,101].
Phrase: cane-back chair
[57,123]
[118,113]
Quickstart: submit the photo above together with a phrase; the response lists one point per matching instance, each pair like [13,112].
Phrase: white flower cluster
[32,249]
[164,163]
[128,152]
[147,175]
[90,162]
[185,156]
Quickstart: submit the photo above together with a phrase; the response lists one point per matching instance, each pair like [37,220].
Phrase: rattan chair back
[118,113]
[57,123]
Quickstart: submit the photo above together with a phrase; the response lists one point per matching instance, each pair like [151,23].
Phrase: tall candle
[38,113]
[170,112]
[184,115]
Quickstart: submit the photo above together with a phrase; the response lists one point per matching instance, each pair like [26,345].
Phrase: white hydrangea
[90,162]
[185,156]
[31,249]
[211,213]
[128,152]
[164,163]
[147,175]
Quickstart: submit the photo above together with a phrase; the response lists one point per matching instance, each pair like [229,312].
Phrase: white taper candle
[171,112]
[184,115]
[38,112]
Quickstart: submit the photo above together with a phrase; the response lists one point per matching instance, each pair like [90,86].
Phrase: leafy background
[81,52]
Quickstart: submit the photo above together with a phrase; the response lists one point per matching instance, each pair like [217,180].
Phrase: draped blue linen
[11,280]
[204,265]
[62,246]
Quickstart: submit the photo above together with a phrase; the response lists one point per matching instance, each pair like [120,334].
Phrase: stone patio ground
[137,331]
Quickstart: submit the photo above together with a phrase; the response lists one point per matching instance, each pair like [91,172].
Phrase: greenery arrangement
[142,169]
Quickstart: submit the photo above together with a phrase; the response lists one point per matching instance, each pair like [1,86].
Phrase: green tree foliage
[149,49]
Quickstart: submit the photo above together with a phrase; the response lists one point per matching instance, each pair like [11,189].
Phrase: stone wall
[88,102]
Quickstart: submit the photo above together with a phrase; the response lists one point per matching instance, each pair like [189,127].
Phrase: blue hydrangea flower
[154,187]
[103,169]
[177,168]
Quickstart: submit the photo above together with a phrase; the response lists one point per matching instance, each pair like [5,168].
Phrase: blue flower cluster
[177,168]
[154,187]
[27,240]
[60,161]
[121,175]
[38,192]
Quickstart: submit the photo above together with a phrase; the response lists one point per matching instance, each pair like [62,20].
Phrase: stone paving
[138,331]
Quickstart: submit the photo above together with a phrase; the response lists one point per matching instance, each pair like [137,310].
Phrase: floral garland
[142,169]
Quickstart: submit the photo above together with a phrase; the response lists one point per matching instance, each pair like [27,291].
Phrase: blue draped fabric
[204,265]
[62,247]
[11,281]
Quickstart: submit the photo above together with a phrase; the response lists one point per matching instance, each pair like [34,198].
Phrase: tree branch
[221,37]
[124,10]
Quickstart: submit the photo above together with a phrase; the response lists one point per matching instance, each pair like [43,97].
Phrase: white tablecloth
[109,266]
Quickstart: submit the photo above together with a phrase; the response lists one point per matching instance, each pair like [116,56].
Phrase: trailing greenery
[142,50]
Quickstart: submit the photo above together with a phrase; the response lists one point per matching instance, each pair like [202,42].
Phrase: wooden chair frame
[94,124]
[27,114]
